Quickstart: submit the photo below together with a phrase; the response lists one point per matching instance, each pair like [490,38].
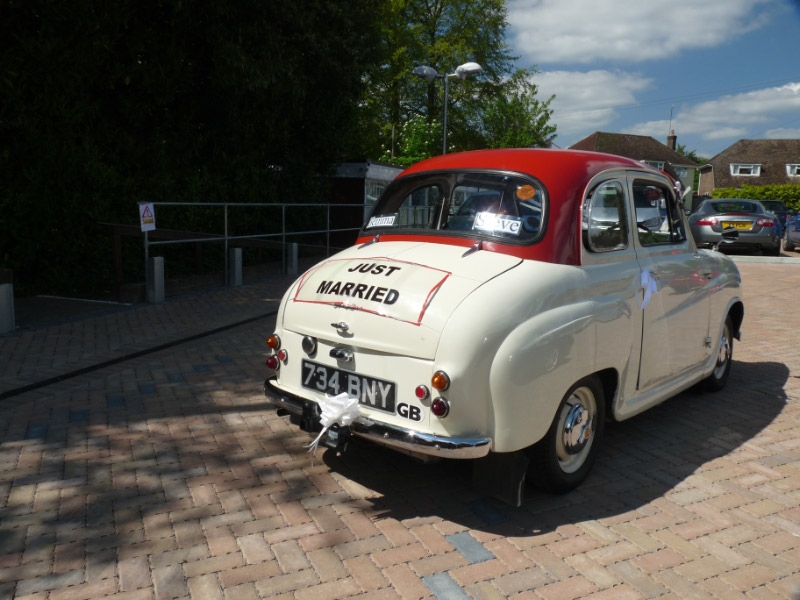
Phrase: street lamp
[430,74]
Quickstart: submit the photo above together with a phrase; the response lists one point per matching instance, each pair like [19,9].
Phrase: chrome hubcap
[723,354]
[576,429]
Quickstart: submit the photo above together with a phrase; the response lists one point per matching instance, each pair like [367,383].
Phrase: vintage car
[509,333]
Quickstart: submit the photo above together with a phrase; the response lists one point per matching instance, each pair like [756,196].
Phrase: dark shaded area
[105,105]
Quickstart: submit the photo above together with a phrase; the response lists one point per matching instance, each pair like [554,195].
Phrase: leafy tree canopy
[498,108]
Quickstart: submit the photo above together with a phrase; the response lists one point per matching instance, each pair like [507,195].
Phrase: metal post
[234,267]
[444,120]
[291,267]
[225,251]
[7,324]
[283,238]
[155,280]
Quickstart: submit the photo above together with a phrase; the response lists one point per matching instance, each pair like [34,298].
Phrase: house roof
[637,147]
[772,155]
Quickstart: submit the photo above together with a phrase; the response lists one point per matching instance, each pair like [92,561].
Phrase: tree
[106,104]
[443,34]
[515,118]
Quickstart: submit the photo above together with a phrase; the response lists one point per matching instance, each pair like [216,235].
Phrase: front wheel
[719,376]
[561,460]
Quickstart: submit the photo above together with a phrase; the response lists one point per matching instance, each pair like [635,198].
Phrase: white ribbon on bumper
[341,409]
[649,285]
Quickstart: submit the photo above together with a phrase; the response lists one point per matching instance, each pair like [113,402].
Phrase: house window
[745,170]
[658,164]
[793,170]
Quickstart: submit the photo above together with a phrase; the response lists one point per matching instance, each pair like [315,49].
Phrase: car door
[675,302]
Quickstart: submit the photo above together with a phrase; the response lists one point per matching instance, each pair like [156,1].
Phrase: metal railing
[226,238]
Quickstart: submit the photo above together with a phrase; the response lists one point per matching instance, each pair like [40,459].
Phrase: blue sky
[724,69]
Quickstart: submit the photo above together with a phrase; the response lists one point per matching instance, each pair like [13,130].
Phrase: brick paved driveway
[164,475]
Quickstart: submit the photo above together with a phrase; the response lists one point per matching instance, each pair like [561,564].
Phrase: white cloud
[586,31]
[740,115]
[585,102]
[782,134]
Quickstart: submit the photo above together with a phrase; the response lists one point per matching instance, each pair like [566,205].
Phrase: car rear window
[729,206]
[508,207]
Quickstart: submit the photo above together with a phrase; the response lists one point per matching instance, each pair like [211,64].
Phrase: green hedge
[788,193]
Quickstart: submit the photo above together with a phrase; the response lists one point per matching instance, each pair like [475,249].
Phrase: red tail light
[762,222]
[709,221]
[273,364]
[440,407]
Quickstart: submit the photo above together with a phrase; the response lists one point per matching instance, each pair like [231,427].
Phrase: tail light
[280,354]
[422,392]
[440,407]
[762,222]
[709,221]
[440,381]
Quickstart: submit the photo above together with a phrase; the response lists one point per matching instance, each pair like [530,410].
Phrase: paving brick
[134,573]
[327,564]
[213,564]
[249,573]
[365,573]
[169,583]
[206,587]
[659,560]
[406,582]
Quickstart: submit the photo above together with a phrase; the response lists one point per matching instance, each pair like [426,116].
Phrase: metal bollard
[291,258]
[234,267]
[155,280]
[7,324]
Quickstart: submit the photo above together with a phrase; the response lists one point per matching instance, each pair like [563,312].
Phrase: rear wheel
[563,458]
[719,376]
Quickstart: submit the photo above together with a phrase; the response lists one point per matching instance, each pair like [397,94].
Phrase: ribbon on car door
[649,285]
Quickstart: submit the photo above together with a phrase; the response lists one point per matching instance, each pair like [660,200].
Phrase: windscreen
[505,207]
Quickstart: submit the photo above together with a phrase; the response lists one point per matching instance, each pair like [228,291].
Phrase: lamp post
[430,74]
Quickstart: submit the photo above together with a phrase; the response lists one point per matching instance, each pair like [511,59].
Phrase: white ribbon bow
[341,409]
[649,285]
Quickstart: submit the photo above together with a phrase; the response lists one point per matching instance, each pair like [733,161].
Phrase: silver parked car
[758,228]
[791,235]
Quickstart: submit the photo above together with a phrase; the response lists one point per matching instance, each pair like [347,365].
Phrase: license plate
[736,224]
[370,391]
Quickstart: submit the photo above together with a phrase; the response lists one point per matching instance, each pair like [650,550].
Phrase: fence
[323,229]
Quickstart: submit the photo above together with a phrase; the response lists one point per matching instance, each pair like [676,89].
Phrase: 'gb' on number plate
[372,392]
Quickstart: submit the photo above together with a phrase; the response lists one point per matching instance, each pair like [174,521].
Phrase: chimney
[672,140]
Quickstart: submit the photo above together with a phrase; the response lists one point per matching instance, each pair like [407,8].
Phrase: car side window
[658,214]
[605,221]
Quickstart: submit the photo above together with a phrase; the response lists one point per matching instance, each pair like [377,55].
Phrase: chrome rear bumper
[401,438]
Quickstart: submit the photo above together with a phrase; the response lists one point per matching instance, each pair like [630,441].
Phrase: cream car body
[540,339]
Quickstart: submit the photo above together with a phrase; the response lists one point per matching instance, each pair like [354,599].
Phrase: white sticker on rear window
[384,221]
[486,221]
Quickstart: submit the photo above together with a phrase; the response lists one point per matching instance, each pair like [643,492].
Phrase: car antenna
[475,247]
[377,238]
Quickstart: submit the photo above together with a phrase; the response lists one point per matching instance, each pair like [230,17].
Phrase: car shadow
[641,459]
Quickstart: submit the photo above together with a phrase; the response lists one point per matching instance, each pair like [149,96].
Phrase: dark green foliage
[788,193]
[107,104]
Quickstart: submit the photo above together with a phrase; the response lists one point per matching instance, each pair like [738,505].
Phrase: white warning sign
[147,216]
